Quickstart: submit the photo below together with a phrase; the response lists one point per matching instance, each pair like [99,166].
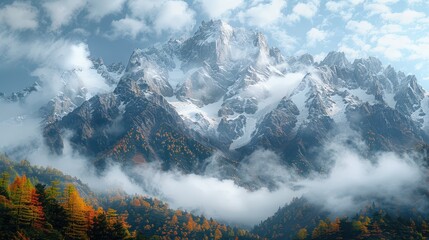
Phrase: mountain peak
[336,59]
[215,25]
[373,64]
[219,44]
[213,31]
[306,59]
[97,62]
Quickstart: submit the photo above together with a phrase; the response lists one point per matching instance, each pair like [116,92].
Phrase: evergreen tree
[4,185]
[120,231]
[55,214]
[8,226]
[100,228]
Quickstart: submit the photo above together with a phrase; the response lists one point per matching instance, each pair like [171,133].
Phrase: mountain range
[226,90]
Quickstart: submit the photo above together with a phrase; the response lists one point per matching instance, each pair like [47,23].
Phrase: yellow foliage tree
[76,208]
[302,234]
[218,234]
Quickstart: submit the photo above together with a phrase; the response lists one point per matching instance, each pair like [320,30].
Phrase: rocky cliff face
[132,124]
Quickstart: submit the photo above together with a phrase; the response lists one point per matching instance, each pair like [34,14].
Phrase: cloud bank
[352,182]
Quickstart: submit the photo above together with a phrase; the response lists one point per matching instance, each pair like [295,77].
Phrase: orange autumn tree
[27,208]
[79,213]
[38,216]
[191,225]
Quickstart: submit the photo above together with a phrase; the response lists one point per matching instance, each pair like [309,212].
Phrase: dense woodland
[31,209]
[302,220]
[43,203]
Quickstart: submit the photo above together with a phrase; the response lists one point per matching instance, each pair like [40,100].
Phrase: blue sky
[41,39]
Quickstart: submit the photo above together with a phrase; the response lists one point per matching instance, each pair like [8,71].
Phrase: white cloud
[220,199]
[306,10]
[283,39]
[354,182]
[163,15]
[53,58]
[334,6]
[406,17]
[18,132]
[174,16]
[127,27]
[315,35]
[75,68]
[350,53]
[270,92]
[343,8]
[263,14]
[411,2]
[391,28]
[393,45]
[386,1]
[420,51]
[356,2]
[319,57]
[376,9]
[19,16]
[360,27]
[97,9]
[362,44]
[144,8]
[215,9]
[61,12]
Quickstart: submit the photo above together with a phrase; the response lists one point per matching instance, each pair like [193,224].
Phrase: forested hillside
[303,220]
[43,203]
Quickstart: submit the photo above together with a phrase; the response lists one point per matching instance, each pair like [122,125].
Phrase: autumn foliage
[37,212]
[31,210]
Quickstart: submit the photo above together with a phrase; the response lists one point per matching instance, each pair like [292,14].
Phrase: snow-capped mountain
[111,73]
[336,97]
[209,77]
[74,92]
[70,93]
[19,96]
[227,89]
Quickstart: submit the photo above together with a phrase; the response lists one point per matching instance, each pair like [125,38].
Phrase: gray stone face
[384,128]
[131,122]
[306,59]
[277,55]
[231,129]
[277,126]
[409,96]
[371,64]
[201,89]
[151,67]
[239,105]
